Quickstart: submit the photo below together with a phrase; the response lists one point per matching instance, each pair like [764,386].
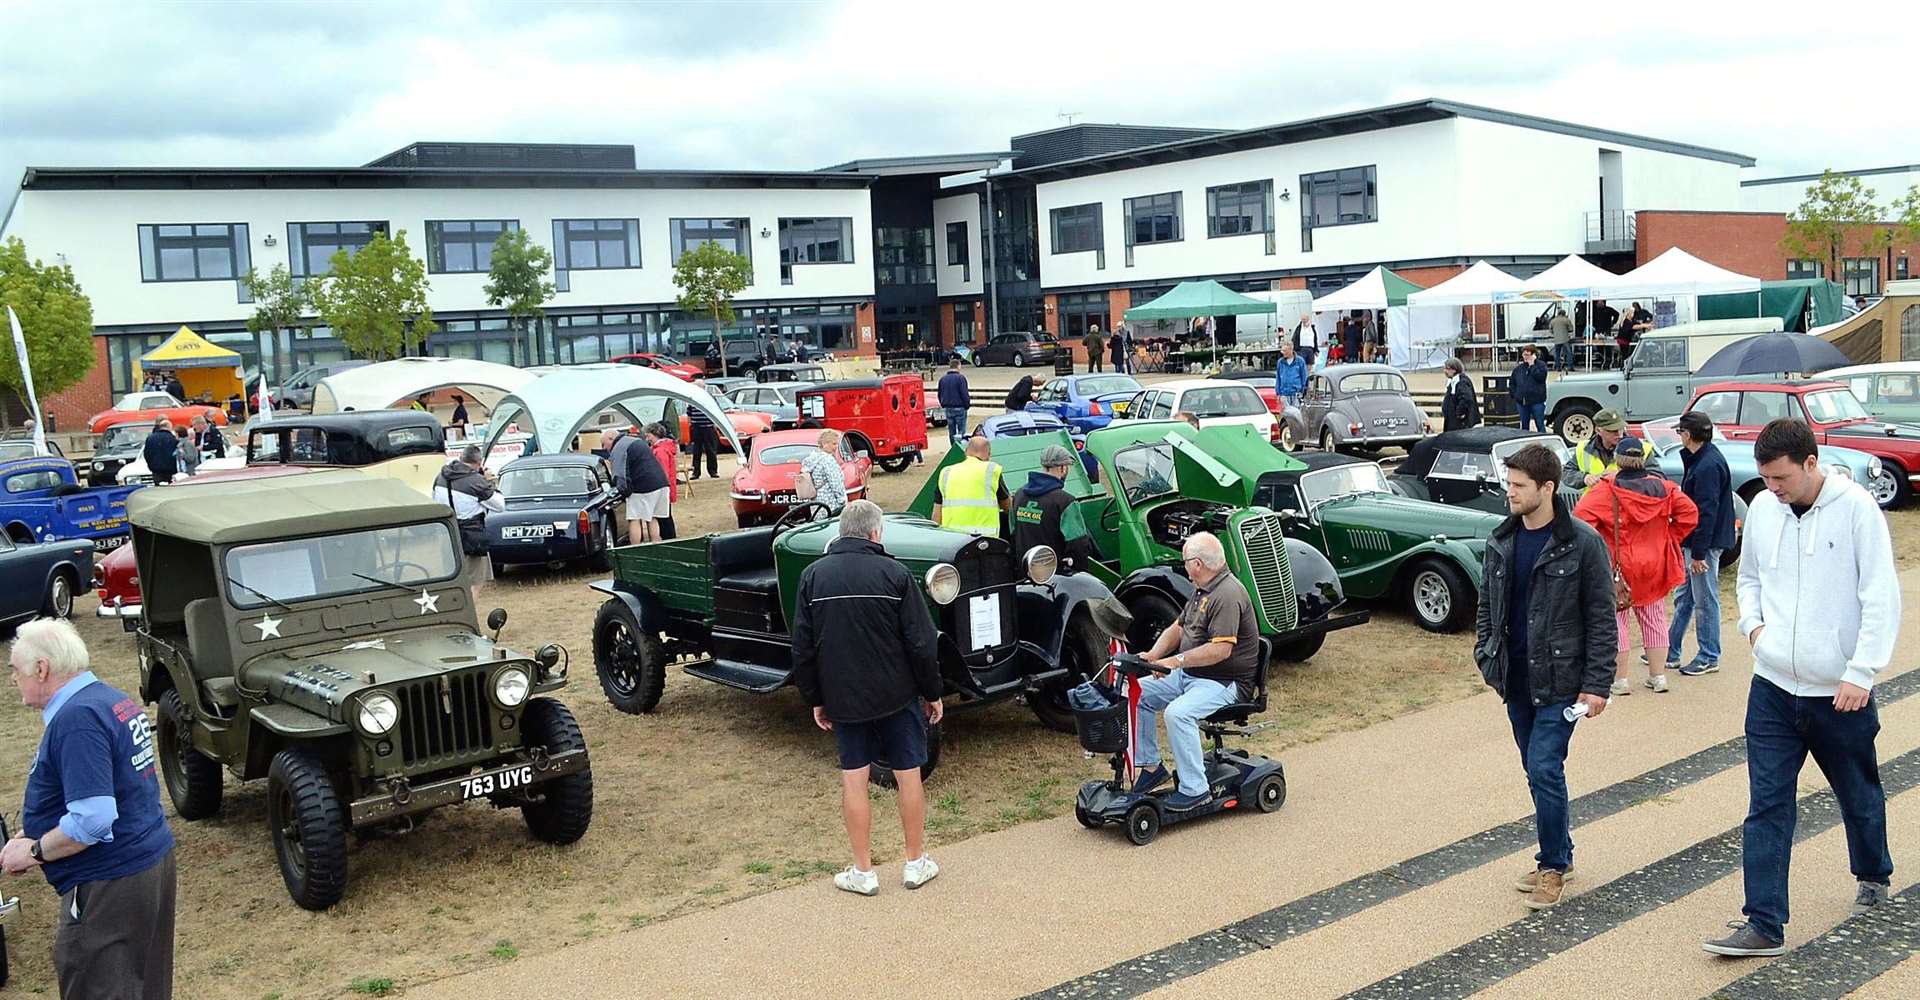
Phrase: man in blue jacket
[1709,485]
[954,398]
[1289,374]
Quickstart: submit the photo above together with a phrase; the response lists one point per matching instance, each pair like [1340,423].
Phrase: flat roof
[938,163]
[1348,123]
[216,178]
[1908,168]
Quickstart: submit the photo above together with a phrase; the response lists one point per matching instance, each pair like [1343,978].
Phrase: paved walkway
[1387,874]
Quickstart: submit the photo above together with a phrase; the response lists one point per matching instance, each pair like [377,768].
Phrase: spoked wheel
[309,829]
[1440,596]
[1889,487]
[1082,652]
[1270,793]
[631,665]
[1575,425]
[1143,824]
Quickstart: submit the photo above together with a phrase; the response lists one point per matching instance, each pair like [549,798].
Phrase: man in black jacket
[865,657]
[1459,407]
[1544,637]
[1528,386]
[702,438]
[161,452]
[1709,484]
[1044,513]
[207,437]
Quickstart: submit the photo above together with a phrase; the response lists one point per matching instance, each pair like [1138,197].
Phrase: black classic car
[559,508]
[1468,467]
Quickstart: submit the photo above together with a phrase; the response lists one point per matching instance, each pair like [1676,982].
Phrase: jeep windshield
[1343,481]
[301,569]
[551,481]
[1145,472]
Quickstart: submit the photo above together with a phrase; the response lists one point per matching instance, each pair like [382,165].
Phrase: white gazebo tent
[1677,276]
[391,383]
[556,407]
[1434,315]
[1379,290]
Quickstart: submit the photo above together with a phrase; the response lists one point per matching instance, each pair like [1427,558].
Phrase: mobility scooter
[1234,777]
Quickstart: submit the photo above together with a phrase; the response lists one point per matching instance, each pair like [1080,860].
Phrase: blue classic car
[1017,424]
[559,508]
[1856,465]
[1085,402]
[776,398]
[42,499]
[40,578]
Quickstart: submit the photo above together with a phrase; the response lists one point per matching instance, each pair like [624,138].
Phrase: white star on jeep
[429,603]
[269,627]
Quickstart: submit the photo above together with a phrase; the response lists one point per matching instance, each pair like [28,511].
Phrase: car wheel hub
[290,832]
[1431,597]
[624,661]
[1883,487]
[1576,428]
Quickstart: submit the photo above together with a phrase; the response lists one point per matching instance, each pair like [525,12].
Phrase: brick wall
[1749,242]
[72,406]
[866,333]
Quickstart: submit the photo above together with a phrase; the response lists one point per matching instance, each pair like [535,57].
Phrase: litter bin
[1496,401]
[1063,362]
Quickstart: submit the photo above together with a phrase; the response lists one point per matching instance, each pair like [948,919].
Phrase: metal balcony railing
[1610,231]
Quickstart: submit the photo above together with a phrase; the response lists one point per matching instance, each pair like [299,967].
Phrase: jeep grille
[430,733]
[1266,553]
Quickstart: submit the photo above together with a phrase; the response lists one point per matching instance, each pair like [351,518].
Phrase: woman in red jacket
[667,451]
[1643,518]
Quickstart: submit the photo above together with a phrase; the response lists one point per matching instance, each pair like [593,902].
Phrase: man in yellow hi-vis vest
[1593,459]
[971,495]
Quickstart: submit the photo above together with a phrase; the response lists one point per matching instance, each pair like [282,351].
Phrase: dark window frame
[437,243]
[299,240]
[1257,193]
[678,242]
[957,254]
[153,242]
[626,236]
[1166,209]
[1361,181]
[1088,215]
[1804,267]
[1863,281]
[895,249]
[814,224]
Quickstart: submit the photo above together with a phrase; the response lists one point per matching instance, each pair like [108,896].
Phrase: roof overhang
[351,178]
[898,166]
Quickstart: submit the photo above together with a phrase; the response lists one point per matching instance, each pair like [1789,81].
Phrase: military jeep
[318,631]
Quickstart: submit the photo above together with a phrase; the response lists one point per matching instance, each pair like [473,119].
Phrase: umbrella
[1774,352]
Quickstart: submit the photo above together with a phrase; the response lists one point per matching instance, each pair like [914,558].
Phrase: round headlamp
[510,687]
[943,583]
[1042,563]
[377,714]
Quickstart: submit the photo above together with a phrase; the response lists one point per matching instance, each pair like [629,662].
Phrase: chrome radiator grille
[1265,545]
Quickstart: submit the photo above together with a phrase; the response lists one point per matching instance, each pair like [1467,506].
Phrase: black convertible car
[1468,467]
[559,508]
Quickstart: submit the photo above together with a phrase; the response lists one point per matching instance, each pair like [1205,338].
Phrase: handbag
[1622,591]
[803,487]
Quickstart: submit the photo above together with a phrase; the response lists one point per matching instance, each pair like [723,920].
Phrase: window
[596,244]
[1910,333]
[1080,311]
[814,241]
[729,233]
[339,564]
[965,329]
[1238,209]
[1076,229]
[1805,269]
[905,255]
[1863,275]
[311,245]
[1903,390]
[193,252]
[1336,198]
[33,482]
[1757,408]
[464,247]
[1660,354]
[957,250]
[1153,219]
[1224,401]
[1833,406]
[1720,407]
[1900,272]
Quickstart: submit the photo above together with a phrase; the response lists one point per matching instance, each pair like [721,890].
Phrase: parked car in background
[1293,423]
[1468,467]
[146,407]
[774,398]
[661,363]
[1216,402]
[21,446]
[1085,402]
[1890,391]
[884,417]
[1031,422]
[1658,378]
[763,489]
[1362,407]
[791,371]
[720,385]
[560,508]
[1740,408]
[113,450]
[744,356]
[1018,350]
[296,393]
[39,578]
[41,499]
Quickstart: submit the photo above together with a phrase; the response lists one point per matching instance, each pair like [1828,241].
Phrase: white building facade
[1784,194]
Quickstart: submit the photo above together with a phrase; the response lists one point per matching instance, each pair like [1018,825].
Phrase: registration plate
[527,531]
[482,785]
[783,499]
[109,543]
[1391,421]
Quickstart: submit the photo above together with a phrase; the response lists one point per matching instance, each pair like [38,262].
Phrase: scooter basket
[1099,717]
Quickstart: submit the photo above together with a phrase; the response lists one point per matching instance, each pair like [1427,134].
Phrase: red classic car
[143,407]
[661,362]
[763,488]
[1739,409]
[884,417]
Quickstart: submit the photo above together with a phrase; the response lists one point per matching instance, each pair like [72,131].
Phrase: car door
[1657,379]
[1315,402]
[1162,406]
[1757,408]
[18,580]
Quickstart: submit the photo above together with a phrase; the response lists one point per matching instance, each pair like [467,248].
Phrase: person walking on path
[1306,339]
[667,453]
[1544,636]
[161,452]
[1289,375]
[1709,485]
[971,495]
[1459,407]
[702,439]
[1117,346]
[1643,517]
[1528,385]
[1096,344]
[1820,603]
[822,469]
[955,399]
[1044,513]
[1020,395]
[92,823]
[188,449]
[1560,328]
[1369,338]
[866,657]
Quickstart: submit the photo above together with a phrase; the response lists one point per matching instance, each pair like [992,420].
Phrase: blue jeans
[1185,700]
[1563,357]
[957,424]
[1699,596]
[1781,731]
[1536,413]
[1542,733]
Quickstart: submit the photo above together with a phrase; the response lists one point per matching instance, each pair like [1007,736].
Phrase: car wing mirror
[497,620]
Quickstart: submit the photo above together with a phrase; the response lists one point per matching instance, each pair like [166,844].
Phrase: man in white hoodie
[1820,604]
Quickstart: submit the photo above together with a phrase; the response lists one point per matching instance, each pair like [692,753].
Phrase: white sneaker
[865,883]
[919,872]
[1622,687]
[1657,683]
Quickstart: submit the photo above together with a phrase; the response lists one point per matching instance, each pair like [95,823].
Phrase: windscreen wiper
[282,605]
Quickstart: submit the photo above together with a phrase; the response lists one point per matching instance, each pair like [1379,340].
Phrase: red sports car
[143,407]
[763,488]
[1739,409]
[664,363]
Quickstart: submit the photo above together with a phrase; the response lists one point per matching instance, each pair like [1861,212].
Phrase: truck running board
[735,674]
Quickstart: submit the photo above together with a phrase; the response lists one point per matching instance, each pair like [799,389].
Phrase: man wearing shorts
[865,657]
[647,493]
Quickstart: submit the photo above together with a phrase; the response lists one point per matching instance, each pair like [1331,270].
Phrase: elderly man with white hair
[1212,658]
[92,822]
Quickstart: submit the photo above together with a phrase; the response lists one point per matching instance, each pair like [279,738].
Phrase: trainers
[865,883]
[1744,942]
[919,872]
[1657,683]
[1696,668]
[1548,884]
[1871,894]
[1622,688]
[1149,779]
[1529,880]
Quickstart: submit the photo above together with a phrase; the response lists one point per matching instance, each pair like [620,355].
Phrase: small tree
[1828,219]
[279,303]
[517,277]
[376,300]
[1906,215]
[709,276]
[55,316]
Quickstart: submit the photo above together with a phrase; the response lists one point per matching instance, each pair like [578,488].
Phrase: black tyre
[1326,441]
[565,808]
[882,775]
[58,602]
[1287,443]
[1143,824]
[1896,494]
[309,829]
[1019,360]
[1082,652]
[1300,650]
[1270,794]
[1087,819]
[496,568]
[193,779]
[1574,423]
[896,463]
[3,956]
[1440,596]
[1152,613]
[630,662]
[603,559]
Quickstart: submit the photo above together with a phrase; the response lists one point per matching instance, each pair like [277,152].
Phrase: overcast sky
[796,85]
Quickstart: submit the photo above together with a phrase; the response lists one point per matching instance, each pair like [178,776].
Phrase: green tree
[279,303]
[1829,220]
[56,317]
[1905,214]
[709,276]
[517,277]
[376,300]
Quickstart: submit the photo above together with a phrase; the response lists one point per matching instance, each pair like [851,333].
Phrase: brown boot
[1546,891]
[1527,882]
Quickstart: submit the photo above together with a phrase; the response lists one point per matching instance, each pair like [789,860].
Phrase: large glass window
[1076,228]
[356,562]
[957,249]
[311,245]
[1154,218]
[1805,269]
[196,252]
[1863,275]
[466,246]
[1081,310]
[1336,198]
[729,233]
[1238,209]
[814,241]
[596,244]
[905,254]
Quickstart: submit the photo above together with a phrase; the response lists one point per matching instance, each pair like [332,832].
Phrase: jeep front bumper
[400,798]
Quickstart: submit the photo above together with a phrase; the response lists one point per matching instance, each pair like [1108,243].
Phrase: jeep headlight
[510,687]
[1042,563]
[943,583]
[377,713]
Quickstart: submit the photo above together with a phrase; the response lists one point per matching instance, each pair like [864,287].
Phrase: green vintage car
[1163,481]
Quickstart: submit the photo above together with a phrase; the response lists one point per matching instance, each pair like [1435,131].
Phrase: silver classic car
[1360,407]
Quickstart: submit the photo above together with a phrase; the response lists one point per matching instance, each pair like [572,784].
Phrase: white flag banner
[264,401]
[26,380]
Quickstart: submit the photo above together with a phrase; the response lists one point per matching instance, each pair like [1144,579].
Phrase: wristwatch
[35,851]
[1181,660]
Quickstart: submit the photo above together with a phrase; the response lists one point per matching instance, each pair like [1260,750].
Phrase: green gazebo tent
[1191,299]
[1785,299]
